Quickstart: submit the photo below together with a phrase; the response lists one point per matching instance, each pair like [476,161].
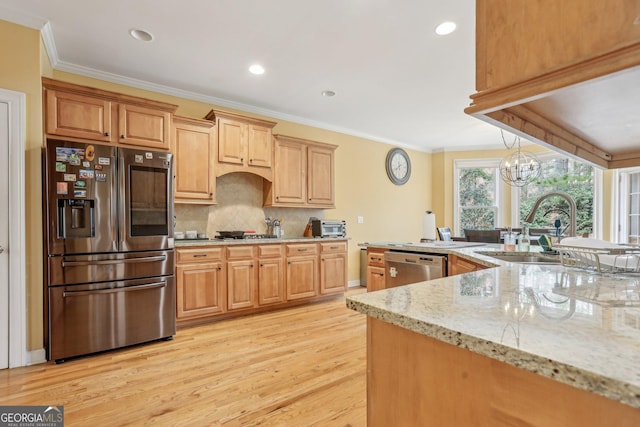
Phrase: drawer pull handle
[200,255]
[302,250]
[334,247]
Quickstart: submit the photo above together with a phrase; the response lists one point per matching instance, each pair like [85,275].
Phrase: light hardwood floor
[304,366]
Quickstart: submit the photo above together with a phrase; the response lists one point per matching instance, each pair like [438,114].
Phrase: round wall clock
[398,166]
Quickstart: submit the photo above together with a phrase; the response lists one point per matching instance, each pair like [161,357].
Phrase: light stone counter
[579,328]
[225,242]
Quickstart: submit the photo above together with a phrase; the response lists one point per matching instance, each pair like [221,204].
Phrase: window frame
[499,184]
[620,185]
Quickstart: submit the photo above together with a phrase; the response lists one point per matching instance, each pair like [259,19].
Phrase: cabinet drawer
[236,252]
[334,247]
[375,258]
[295,249]
[269,251]
[198,255]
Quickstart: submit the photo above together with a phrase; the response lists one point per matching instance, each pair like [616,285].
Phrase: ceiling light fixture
[520,167]
[256,69]
[141,35]
[328,93]
[445,28]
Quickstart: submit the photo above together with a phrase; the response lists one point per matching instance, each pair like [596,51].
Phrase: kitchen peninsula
[518,344]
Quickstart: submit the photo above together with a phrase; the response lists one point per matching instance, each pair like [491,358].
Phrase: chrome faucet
[572,206]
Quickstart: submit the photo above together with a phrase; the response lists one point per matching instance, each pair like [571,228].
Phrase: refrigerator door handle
[67,294]
[114,261]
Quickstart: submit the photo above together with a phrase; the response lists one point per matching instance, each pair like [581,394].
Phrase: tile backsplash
[239,197]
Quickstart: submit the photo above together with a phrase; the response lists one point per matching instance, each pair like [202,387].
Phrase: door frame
[16,101]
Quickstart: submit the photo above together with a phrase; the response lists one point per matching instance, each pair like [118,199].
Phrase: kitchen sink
[523,258]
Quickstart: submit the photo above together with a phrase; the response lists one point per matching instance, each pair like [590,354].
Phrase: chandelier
[520,167]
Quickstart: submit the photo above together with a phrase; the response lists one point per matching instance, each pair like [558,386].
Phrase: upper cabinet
[303,174]
[244,144]
[194,150]
[84,113]
[562,73]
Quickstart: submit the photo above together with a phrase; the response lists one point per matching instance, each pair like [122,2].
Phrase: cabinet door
[302,277]
[375,278]
[333,273]
[231,141]
[320,185]
[271,281]
[457,265]
[200,290]
[290,172]
[193,148]
[144,127]
[78,116]
[260,144]
[241,284]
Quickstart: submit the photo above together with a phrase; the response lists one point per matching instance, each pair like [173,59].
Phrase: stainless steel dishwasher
[403,268]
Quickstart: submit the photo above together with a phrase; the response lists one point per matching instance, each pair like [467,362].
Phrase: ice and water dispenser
[76,218]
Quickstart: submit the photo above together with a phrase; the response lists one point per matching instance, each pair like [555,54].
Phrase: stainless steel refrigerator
[109,257]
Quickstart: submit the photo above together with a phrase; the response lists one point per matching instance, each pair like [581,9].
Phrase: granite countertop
[180,243]
[577,327]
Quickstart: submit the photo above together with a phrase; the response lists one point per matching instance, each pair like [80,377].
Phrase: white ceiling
[396,80]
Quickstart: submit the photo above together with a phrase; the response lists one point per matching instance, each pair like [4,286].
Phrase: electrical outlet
[360,220]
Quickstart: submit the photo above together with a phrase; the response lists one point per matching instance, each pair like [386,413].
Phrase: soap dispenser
[524,241]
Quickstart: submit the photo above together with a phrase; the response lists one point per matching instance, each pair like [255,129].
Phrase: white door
[13,350]
[4,235]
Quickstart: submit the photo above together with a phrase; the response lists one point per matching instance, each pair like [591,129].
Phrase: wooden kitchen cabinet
[78,116]
[81,113]
[200,283]
[333,267]
[561,73]
[301,270]
[457,265]
[244,144]
[193,147]
[142,126]
[241,277]
[320,179]
[271,289]
[375,269]
[303,174]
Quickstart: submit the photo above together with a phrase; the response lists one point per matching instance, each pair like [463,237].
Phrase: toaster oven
[328,228]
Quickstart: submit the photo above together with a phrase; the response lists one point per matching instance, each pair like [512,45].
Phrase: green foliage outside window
[477,187]
[569,176]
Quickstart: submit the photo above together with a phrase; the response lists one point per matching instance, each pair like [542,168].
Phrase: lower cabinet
[270,274]
[457,265]
[200,283]
[333,267]
[241,277]
[228,280]
[302,271]
[375,269]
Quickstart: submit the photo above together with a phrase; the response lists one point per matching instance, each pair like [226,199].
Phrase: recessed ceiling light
[328,93]
[446,28]
[141,35]
[256,69]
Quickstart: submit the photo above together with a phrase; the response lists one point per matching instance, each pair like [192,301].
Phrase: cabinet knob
[242,159]
[277,198]
[122,136]
[107,134]
[250,160]
[309,198]
[220,268]
[211,194]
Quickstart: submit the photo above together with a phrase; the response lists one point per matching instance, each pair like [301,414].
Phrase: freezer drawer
[85,319]
[78,269]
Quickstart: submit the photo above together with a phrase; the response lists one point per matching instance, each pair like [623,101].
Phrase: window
[628,221]
[477,186]
[565,175]
[477,189]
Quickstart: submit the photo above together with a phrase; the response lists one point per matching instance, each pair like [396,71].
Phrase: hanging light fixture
[520,167]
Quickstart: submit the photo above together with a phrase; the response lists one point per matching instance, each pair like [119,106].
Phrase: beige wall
[20,71]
